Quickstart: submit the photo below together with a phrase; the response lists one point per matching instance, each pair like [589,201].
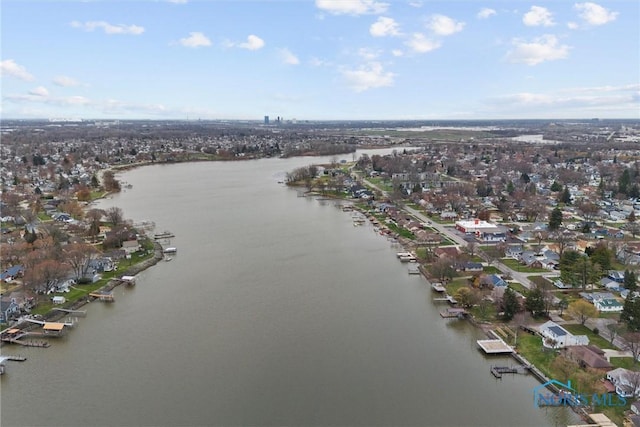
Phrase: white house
[608,305]
[627,382]
[130,246]
[555,336]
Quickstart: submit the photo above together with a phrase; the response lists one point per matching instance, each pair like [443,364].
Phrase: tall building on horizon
[266,120]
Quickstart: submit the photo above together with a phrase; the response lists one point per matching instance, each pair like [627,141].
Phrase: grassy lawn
[530,346]
[518,288]
[455,284]
[623,362]
[594,339]
[516,266]
[490,270]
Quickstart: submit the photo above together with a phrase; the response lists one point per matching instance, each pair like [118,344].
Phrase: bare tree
[633,344]
[115,216]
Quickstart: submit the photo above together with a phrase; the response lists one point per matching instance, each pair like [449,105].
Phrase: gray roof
[558,331]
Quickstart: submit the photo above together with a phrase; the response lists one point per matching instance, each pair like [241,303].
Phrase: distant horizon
[298,121]
[328,60]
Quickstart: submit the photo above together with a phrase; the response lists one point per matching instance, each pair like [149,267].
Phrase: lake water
[275,311]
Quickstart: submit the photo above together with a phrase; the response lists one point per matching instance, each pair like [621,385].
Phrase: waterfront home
[130,246]
[555,336]
[587,356]
[8,309]
[626,382]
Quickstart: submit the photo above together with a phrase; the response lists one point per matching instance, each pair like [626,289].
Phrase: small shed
[59,300]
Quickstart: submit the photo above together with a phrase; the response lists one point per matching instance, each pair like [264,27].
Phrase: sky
[320,59]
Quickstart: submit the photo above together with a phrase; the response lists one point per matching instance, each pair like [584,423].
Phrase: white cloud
[177,1]
[39,91]
[368,54]
[419,43]
[594,14]
[368,76]
[485,13]
[253,43]
[538,16]
[576,100]
[572,25]
[288,57]
[352,7]
[65,81]
[384,27]
[541,49]
[109,28]
[415,4]
[397,52]
[9,67]
[443,25]
[195,39]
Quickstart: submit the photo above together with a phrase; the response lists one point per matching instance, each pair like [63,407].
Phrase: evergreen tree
[630,315]
[630,280]
[556,186]
[624,182]
[535,302]
[565,196]
[555,219]
[510,305]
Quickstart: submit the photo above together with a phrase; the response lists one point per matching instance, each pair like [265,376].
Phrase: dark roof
[558,331]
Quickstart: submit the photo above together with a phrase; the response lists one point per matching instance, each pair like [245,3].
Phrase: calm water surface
[276,310]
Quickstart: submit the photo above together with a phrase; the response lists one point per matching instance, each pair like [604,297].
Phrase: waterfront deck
[438,287]
[495,346]
[451,312]
[103,296]
[75,313]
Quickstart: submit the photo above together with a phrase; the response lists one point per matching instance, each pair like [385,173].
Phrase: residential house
[587,356]
[8,309]
[608,305]
[555,336]
[12,273]
[627,382]
[130,246]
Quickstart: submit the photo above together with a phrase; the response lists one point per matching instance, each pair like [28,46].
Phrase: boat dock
[75,313]
[448,298]
[15,336]
[103,296]
[414,268]
[163,235]
[438,287]
[498,371]
[3,359]
[452,312]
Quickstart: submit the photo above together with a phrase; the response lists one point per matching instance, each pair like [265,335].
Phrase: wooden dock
[103,296]
[450,313]
[438,287]
[448,298]
[498,371]
[75,313]
[496,346]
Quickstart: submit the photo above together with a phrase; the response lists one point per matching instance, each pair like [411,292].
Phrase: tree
[565,196]
[79,256]
[578,270]
[555,219]
[556,186]
[535,302]
[633,344]
[624,182]
[630,315]
[510,304]
[115,216]
[631,224]
[442,269]
[466,297]
[614,330]
[602,256]
[583,310]
[630,280]
[563,304]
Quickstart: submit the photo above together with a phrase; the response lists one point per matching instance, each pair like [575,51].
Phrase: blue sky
[320,60]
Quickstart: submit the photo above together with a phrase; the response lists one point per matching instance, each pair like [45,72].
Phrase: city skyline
[320,60]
